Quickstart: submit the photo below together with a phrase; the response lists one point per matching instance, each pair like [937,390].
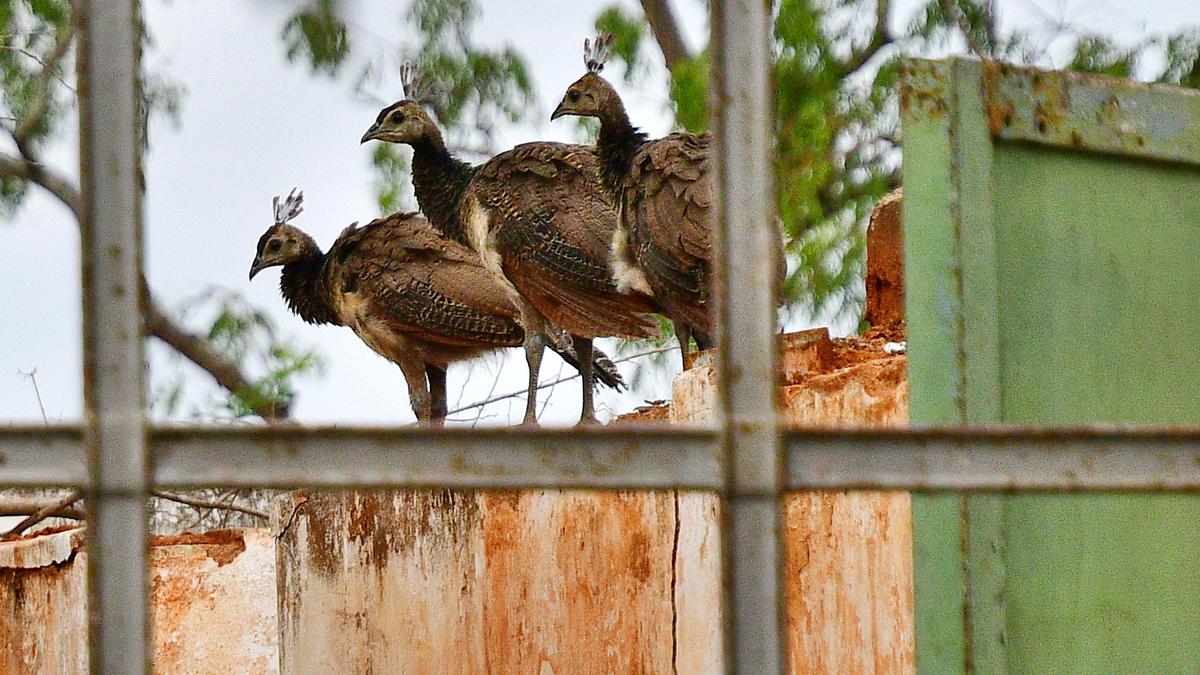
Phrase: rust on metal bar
[976,458]
[110,145]
[605,458]
[1092,113]
[42,456]
[996,459]
[746,246]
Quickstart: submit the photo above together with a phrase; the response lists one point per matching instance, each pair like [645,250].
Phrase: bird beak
[370,135]
[559,111]
[256,267]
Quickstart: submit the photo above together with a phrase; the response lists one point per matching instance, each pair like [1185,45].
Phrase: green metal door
[1052,236]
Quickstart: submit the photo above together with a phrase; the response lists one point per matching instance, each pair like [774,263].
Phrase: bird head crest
[597,52]
[412,81]
[290,207]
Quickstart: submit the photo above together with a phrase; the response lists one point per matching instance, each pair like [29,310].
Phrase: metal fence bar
[110,153]
[922,459]
[42,456]
[973,459]
[746,248]
[506,458]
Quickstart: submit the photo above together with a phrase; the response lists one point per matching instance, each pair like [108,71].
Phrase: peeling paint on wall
[213,596]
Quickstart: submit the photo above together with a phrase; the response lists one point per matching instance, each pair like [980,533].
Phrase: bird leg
[683,333]
[418,390]
[437,395]
[535,344]
[583,348]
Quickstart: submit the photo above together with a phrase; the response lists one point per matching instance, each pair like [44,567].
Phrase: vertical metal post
[110,154]
[747,248]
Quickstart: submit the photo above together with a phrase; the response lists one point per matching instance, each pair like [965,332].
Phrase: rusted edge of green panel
[933,299]
[979,360]
[975,235]
[1092,113]
[933,309]
[954,369]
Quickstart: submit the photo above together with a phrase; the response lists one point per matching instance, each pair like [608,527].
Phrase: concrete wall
[587,582]
[213,596]
[437,581]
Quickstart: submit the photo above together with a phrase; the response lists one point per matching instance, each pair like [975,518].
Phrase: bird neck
[617,144]
[303,289]
[440,182]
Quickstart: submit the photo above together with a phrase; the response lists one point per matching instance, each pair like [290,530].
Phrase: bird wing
[668,211]
[401,271]
[552,223]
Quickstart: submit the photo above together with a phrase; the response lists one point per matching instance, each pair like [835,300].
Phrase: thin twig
[517,394]
[546,398]
[207,504]
[47,511]
[479,413]
[32,375]
[45,63]
[38,111]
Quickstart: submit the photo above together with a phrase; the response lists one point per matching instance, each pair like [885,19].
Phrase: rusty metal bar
[110,156]
[504,458]
[42,456]
[978,458]
[746,248]
[1093,113]
[983,459]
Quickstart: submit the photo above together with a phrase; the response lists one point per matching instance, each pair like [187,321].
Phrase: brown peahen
[415,297]
[663,243]
[541,222]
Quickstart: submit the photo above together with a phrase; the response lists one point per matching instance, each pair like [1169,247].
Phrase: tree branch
[951,10]
[208,504]
[23,506]
[49,510]
[880,37]
[158,324]
[32,171]
[197,350]
[666,31]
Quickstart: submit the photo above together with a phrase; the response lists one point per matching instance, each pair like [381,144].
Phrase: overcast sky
[253,126]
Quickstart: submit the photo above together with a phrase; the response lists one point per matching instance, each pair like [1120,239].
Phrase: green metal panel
[1052,235]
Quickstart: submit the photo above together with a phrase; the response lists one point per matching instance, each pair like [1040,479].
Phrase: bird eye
[574,96]
[397,117]
[275,245]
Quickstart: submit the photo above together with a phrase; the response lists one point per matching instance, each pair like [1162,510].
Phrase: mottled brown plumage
[415,297]
[663,241]
[540,211]
[541,222]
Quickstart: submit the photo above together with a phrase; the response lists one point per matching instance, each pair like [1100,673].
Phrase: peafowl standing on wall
[418,299]
[663,242]
[541,222]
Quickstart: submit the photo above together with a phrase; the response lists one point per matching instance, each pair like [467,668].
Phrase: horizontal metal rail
[652,457]
[42,456]
[990,459]
[621,457]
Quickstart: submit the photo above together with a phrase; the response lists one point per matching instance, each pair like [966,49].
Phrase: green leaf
[315,32]
[627,31]
[1100,55]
